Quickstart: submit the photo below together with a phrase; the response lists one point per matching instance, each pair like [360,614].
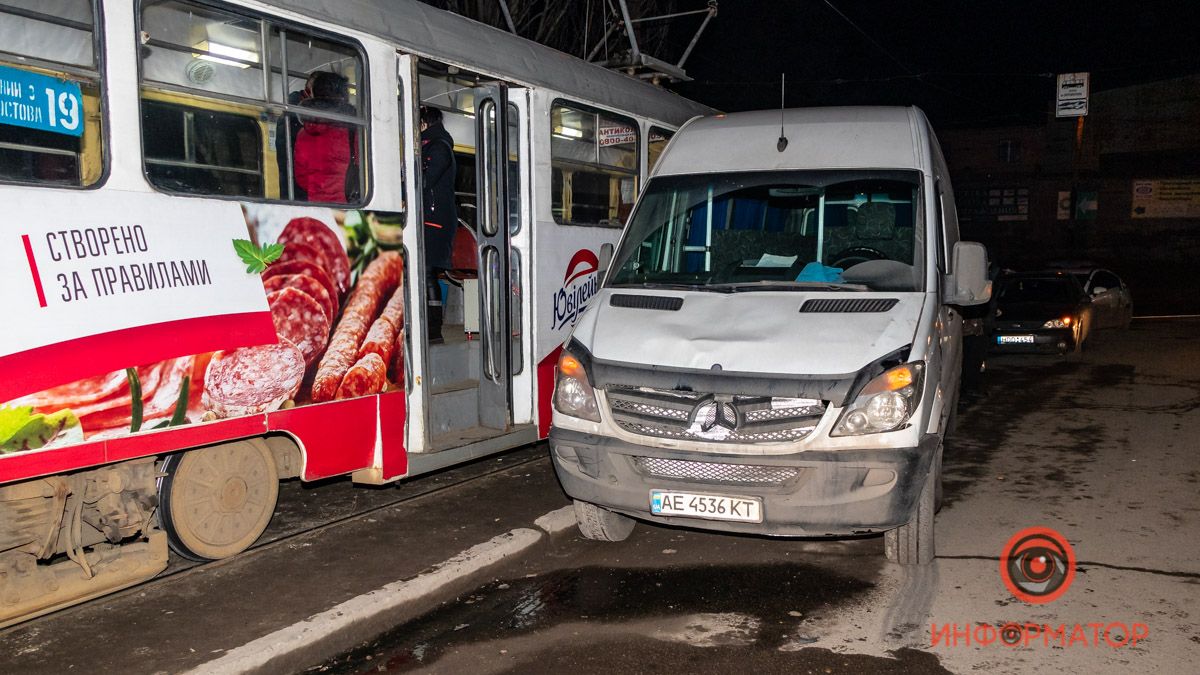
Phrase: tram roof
[463,41]
[850,137]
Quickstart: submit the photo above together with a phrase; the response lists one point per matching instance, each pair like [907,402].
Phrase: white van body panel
[760,332]
[818,138]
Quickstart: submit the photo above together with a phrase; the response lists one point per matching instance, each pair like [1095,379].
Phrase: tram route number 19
[63,109]
[43,102]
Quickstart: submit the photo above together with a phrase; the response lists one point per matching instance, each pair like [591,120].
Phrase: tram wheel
[216,501]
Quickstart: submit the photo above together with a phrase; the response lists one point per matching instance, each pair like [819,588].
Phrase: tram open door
[463,403]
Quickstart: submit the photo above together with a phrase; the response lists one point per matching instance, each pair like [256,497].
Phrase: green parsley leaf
[257,257]
[12,419]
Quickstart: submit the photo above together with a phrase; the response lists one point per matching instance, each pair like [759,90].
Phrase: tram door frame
[501,201]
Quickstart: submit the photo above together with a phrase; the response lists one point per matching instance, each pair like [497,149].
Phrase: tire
[600,524]
[913,542]
[236,481]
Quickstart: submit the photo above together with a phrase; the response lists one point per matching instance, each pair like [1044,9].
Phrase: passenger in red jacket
[326,154]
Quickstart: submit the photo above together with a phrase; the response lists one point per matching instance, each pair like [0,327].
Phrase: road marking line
[258,653]
[557,520]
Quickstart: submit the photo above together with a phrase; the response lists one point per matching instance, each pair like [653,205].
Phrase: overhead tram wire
[903,66]
[870,39]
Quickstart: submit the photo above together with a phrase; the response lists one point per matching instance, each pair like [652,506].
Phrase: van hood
[750,332]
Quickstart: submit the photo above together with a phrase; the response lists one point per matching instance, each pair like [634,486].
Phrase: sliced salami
[300,319]
[302,267]
[294,251]
[316,234]
[367,376]
[304,282]
[148,378]
[80,392]
[253,380]
[160,404]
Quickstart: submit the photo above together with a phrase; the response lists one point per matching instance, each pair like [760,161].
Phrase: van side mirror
[968,282]
[606,256]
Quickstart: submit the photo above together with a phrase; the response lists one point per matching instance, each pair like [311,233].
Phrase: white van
[776,348]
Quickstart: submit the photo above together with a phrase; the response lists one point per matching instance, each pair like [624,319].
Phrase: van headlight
[885,403]
[573,393]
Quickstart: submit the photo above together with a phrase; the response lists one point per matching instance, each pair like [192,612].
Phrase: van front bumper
[830,493]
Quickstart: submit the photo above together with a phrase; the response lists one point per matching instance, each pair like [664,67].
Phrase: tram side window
[659,138]
[50,104]
[280,123]
[192,148]
[594,162]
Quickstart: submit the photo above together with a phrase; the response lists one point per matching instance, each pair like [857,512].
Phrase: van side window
[594,163]
[51,124]
[655,145]
[238,105]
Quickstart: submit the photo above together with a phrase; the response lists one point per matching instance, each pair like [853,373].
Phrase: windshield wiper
[767,285]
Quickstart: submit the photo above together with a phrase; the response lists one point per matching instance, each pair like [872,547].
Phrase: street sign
[1072,99]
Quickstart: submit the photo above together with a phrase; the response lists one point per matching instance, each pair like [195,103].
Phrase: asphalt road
[1102,449]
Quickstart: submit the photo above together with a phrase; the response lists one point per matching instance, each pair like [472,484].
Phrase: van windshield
[776,230]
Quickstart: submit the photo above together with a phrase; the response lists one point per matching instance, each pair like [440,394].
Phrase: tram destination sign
[41,102]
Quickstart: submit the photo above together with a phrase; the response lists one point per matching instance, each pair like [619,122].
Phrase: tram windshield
[836,230]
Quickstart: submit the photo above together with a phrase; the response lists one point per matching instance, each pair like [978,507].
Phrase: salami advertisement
[229,310]
[94,283]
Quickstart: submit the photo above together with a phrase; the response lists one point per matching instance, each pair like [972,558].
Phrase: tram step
[454,362]
[455,406]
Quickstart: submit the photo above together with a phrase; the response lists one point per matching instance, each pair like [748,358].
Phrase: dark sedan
[1041,312]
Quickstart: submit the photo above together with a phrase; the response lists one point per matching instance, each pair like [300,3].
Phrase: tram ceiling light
[216,50]
[568,132]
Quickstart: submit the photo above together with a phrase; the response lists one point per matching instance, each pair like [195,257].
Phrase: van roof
[818,138]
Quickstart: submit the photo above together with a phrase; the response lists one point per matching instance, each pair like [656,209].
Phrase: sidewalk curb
[341,626]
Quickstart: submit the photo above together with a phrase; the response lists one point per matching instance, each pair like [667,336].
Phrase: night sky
[965,63]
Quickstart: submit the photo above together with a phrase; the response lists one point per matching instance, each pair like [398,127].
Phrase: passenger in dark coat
[440,212]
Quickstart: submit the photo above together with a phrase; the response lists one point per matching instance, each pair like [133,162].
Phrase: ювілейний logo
[580,283]
[1037,565]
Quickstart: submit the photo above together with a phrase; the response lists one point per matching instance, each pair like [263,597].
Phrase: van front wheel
[600,524]
[912,543]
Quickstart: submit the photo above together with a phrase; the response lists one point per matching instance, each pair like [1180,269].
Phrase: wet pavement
[1102,449]
[187,620]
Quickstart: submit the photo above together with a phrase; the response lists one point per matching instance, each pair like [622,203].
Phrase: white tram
[138,140]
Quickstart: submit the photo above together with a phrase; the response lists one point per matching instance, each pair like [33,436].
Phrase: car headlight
[1064,322]
[885,403]
[573,393]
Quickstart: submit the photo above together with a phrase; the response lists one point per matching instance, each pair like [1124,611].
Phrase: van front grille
[698,416]
[715,472]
